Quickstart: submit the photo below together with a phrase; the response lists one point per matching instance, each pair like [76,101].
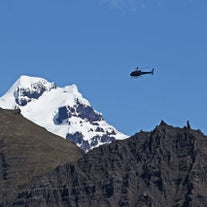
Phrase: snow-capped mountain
[62,111]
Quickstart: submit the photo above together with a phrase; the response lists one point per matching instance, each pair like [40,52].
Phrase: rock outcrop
[164,167]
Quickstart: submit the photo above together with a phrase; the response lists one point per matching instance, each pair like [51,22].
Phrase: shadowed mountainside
[164,167]
[28,150]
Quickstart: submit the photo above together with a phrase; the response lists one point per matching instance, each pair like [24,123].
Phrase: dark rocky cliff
[165,167]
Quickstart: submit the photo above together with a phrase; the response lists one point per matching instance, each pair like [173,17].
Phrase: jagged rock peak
[163,123]
[165,126]
[161,127]
[188,124]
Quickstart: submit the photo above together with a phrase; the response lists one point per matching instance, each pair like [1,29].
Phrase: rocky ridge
[164,167]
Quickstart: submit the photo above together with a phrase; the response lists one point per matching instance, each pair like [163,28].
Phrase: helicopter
[138,72]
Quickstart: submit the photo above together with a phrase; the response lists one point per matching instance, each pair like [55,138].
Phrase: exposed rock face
[24,95]
[66,114]
[165,167]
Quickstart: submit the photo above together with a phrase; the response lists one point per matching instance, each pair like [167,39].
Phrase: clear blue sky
[95,44]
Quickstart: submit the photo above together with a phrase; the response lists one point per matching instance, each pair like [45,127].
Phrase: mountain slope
[27,150]
[62,111]
[165,167]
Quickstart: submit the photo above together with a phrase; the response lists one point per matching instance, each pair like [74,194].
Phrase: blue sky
[95,44]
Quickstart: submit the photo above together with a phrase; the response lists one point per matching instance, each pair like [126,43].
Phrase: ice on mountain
[62,111]
[34,90]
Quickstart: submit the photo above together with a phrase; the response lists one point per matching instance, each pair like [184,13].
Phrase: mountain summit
[61,110]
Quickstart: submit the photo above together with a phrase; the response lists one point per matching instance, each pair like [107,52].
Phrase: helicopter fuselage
[138,73]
